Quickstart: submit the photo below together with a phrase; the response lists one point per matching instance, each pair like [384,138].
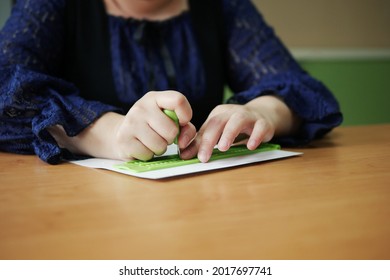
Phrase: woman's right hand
[143,132]
[146,131]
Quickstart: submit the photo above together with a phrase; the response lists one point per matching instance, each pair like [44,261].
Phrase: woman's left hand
[258,121]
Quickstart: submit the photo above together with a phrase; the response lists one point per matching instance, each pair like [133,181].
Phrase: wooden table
[331,203]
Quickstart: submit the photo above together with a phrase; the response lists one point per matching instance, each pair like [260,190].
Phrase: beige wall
[329,23]
[318,23]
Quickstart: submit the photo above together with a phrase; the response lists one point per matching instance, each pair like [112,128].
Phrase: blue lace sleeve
[260,64]
[31,97]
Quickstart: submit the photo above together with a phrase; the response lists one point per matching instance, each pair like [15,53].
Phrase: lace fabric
[33,96]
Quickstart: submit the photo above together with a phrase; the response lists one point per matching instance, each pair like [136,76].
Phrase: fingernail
[185,140]
[223,145]
[185,154]
[203,156]
[252,144]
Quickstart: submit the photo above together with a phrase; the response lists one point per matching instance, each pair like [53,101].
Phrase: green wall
[361,86]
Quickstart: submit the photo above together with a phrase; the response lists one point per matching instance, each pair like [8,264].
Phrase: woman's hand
[258,121]
[145,131]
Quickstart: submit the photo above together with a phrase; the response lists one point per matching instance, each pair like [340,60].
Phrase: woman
[75,81]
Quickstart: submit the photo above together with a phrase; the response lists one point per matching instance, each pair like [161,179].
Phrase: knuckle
[121,135]
[125,132]
[161,150]
[230,135]
[172,134]
[150,94]
[144,156]
[207,141]
[239,117]
[215,121]
[181,99]
[176,97]
[158,147]
[262,124]
[265,130]
[219,109]
[135,111]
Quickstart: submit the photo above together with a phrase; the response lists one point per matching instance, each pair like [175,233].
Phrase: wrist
[96,140]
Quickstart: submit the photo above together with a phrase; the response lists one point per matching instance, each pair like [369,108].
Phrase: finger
[152,141]
[187,134]
[237,123]
[134,149]
[191,150]
[176,101]
[141,131]
[163,125]
[209,135]
[142,118]
[262,132]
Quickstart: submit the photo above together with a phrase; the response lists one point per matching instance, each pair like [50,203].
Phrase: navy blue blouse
[34,97]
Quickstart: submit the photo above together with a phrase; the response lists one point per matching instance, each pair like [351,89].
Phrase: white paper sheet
[186,169]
